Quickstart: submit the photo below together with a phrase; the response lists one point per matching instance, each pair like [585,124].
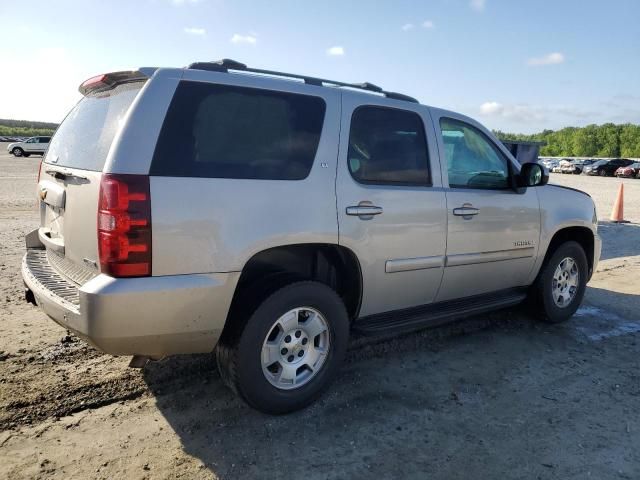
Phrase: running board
[416,318]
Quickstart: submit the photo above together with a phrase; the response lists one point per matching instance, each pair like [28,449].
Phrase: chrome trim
[408,264]
[486,257]
[364,210]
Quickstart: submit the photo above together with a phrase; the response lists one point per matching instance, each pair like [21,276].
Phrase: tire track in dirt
[71,376]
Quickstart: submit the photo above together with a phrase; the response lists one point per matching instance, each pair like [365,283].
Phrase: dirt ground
[495,396]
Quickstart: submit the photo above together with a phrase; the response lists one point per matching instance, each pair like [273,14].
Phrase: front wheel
[603,173]
[560,286]
[17,152]
[289,350]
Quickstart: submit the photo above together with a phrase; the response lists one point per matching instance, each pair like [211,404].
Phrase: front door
[493,230]
[31,145]
[391,206]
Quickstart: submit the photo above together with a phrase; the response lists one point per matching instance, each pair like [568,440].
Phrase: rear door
[391,207]
[70,176]
[493,230]
[43,143]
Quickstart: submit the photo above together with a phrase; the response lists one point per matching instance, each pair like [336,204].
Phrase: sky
[515,65]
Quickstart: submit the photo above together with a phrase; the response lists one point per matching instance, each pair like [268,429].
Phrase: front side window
[473,161]
[221,131]
[388,146]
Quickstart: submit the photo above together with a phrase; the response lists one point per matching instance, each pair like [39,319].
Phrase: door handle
[364,211]
[466,211]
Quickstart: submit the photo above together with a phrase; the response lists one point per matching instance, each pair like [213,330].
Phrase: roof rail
[227,64]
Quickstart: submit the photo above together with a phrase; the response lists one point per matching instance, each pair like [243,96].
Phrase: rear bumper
[151,316]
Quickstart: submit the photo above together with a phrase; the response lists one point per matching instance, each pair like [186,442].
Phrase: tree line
[25,128]
[607,140]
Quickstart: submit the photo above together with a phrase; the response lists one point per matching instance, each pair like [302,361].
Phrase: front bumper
[150,316]
[597,251]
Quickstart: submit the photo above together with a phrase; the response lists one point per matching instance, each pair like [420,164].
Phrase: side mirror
[533,175]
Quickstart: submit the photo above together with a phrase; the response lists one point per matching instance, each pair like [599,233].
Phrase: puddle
[602,324]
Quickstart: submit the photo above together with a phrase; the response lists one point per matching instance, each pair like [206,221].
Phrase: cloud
[406,27]
[477,5]
[198,32]
[520,113]
[428,24]
[554,58]
[243,39]
[336,51]
[523,113]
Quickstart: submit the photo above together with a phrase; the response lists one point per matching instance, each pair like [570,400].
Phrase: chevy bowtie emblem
[43,194]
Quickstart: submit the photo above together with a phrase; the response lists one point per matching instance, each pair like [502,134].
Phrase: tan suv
[267,216]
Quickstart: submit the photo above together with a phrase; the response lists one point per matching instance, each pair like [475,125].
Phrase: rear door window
[221,131]
[387,146]
[83,139]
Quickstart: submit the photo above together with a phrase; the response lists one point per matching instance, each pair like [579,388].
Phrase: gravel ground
[498,395]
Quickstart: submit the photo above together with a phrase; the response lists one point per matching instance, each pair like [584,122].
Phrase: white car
[33,145]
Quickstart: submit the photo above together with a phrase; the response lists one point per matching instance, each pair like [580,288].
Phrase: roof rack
[227,64]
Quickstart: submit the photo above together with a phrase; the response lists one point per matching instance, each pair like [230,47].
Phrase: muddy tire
[560,286]
[290,349]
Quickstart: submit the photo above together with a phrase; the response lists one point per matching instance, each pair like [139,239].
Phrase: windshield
[84,138]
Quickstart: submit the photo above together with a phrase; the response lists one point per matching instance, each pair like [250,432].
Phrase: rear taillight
[124,225]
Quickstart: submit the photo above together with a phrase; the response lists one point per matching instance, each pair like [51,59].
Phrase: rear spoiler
[107,81]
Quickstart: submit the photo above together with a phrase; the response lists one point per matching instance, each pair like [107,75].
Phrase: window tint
[235,132]
[84,138]
[473,161]
[388,146]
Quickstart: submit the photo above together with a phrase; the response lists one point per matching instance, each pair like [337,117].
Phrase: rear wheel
[602,173]
[289,350]
[561,284]
[17,152]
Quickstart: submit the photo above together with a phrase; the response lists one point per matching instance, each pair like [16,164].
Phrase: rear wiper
[64,175]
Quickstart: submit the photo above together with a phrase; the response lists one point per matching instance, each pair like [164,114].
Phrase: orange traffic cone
[617,214]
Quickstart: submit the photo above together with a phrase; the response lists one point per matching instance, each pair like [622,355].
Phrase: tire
[602,173]
[542,293]
[17,152]
[242,358]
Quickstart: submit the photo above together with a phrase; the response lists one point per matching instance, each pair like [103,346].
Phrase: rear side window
[222,131]
[388,147]
[85,136]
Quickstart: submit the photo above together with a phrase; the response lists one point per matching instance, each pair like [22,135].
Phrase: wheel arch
[582,235]
[270,269]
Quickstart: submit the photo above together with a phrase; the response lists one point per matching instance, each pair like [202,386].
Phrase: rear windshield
[85,136]
[222,131]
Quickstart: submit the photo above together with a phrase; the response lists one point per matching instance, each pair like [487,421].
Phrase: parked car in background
[31,146]
[576,166]
[630,171]
[268,219]
[549,163]
[563,165]
[606,168]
